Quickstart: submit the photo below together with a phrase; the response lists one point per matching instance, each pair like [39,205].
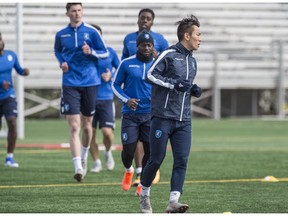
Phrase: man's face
[145,21]
[1,44]
[146,49]
[75,14]
[195,39]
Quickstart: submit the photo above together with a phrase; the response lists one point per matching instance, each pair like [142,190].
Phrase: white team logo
[10,58]
[86,36]
[146,36]
[158,133]
[124,136]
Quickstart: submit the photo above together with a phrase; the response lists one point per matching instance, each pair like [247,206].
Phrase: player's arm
[98,48]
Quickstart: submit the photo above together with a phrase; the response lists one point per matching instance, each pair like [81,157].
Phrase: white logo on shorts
[124,136]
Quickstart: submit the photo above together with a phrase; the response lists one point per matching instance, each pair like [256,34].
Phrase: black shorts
[8,107]
[76,100]
[135,127]
[104,114]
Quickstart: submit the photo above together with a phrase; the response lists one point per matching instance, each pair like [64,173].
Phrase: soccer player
[172,75]
[104,110]
[145,21]
[8,103]
[130,87]
[77,47]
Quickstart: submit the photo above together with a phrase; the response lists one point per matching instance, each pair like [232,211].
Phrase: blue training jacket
[131,73]
[68,48]
[8,61]
[130,48]
[111,62]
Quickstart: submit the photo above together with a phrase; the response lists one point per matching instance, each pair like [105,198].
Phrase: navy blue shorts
[135,127]
[104,114]
[8,107]
[76,100]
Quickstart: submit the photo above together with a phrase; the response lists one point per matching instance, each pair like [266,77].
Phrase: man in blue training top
[77,47]
[104,110]
[8,104]
[172,75]
[130,86]
[145,21]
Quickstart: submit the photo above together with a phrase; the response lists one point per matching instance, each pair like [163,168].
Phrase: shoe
[84,165]
[127,180]
[97,167]
[157,177]
[9,162]
[137,180]
[138,190]
[177,208]
[79,175]
[145,205]
[110,164]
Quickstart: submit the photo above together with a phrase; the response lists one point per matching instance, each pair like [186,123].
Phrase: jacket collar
[182,49]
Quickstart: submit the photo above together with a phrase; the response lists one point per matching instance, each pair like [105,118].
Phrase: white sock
[77,163]
[145,191]
[98,161]
[131,169]
[174,196]
[10,155]
[108,153]
[84,152]
[138,170]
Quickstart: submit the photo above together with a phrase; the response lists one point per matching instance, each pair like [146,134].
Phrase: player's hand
[196,91]
[26,72]
[155,53]
[182,85]
[107,75]
[86,48]
[6,85]
[133,103]
[64,67]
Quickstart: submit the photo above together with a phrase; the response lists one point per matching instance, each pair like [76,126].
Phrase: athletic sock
[131,169]
[10,155]
[77,163]
[84,152]
[145,191]
[174,196]
[138,170]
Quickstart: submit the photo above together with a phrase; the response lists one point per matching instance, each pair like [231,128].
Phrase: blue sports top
[68,48]
[8,61]
[131,73]
[111,62]
[130,48]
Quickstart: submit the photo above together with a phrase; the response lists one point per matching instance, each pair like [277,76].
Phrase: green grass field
[228,161]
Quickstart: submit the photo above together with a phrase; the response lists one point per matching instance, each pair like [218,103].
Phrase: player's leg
[129,137]
[9,109]
[138,157]
[87,108]
[107,125]
[181,145]
[70,107]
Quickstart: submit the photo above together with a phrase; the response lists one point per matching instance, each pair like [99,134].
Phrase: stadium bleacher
[243,35]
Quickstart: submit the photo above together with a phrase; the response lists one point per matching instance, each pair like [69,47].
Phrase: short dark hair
[147,10]
[185,24]
[69,5]
[97,27]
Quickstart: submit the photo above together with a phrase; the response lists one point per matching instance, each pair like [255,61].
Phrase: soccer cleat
[110,164]
[84,165]
[157,177]
[145,205]
[138,190]
[177,208]
[9,162]
[79,175]
[127,180]
[97,167]
[137,180]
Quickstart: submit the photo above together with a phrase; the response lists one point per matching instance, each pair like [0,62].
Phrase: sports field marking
[119,184]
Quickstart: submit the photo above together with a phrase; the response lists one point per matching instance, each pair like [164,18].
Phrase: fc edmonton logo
[158,134]
[124,136]
[86,36]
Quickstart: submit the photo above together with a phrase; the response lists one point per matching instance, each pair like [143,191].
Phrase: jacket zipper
[76,37]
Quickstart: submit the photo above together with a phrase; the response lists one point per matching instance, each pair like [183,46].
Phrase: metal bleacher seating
[243,35]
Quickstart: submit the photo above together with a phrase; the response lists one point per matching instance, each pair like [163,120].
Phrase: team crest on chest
[86,36]
[10,58]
